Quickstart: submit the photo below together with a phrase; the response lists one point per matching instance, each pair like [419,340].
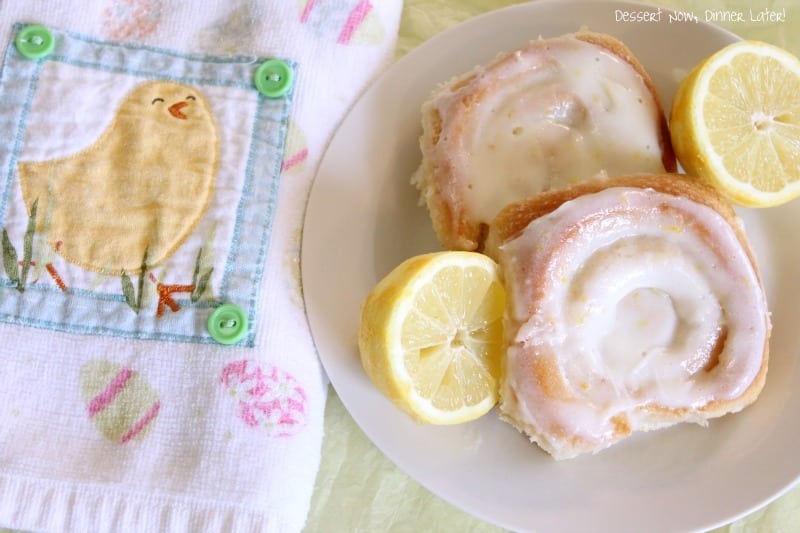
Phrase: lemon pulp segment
[431,336]
[735,123]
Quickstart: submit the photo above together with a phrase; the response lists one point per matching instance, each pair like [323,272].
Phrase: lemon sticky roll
[549,115]
[633,304]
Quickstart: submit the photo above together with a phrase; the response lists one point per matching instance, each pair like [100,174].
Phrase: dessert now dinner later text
[765,15]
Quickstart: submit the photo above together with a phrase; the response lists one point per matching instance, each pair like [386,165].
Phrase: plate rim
[400,63]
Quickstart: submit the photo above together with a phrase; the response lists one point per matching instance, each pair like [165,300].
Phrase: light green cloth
[358,488]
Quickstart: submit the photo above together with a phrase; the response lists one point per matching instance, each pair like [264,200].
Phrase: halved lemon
[431,336]
[735,123]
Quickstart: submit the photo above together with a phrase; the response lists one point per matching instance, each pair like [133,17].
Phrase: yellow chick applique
[135,194]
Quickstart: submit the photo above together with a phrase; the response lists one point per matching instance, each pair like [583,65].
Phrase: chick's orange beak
[175,110]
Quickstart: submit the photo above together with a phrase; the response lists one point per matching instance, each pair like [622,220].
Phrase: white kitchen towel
[156,368]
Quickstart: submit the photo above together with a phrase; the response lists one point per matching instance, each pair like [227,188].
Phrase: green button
[273,78]
[227,324]
[34,41]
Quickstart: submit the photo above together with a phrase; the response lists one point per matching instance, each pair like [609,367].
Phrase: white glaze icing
[647,299]
[561,111]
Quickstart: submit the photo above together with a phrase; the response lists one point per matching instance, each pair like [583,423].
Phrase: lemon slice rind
[440,368]
[692,137]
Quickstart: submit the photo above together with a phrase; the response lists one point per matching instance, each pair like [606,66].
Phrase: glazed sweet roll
[549,115]
[634,303]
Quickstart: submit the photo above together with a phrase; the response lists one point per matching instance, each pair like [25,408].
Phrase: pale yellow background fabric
[358,488]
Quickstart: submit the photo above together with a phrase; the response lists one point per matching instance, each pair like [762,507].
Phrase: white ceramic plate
[363,219]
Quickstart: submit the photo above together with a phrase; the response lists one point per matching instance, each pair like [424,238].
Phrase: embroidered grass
[199,285]
[201,278]
[200,281]
[133,297]
[16,270]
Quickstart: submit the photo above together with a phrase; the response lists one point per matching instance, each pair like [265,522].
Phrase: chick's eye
[190,97]
[156,100]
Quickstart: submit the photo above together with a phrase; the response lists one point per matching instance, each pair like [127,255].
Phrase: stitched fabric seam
[18,138]
[246,189]
[267,231]
[147,73]
[100,330]
[268,140]
[163,51]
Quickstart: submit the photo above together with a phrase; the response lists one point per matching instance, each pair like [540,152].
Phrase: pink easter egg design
[131,19]
[120,403]
[343,21]
[296,149]
[267,397]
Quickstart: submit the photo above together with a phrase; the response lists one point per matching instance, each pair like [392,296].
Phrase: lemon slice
[431,336]
[735,123]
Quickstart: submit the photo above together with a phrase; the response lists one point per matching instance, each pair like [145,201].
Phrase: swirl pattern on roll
[550,114]
[629,309]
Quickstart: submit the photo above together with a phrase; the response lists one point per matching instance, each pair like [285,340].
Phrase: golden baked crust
[544,367]
[445,120]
